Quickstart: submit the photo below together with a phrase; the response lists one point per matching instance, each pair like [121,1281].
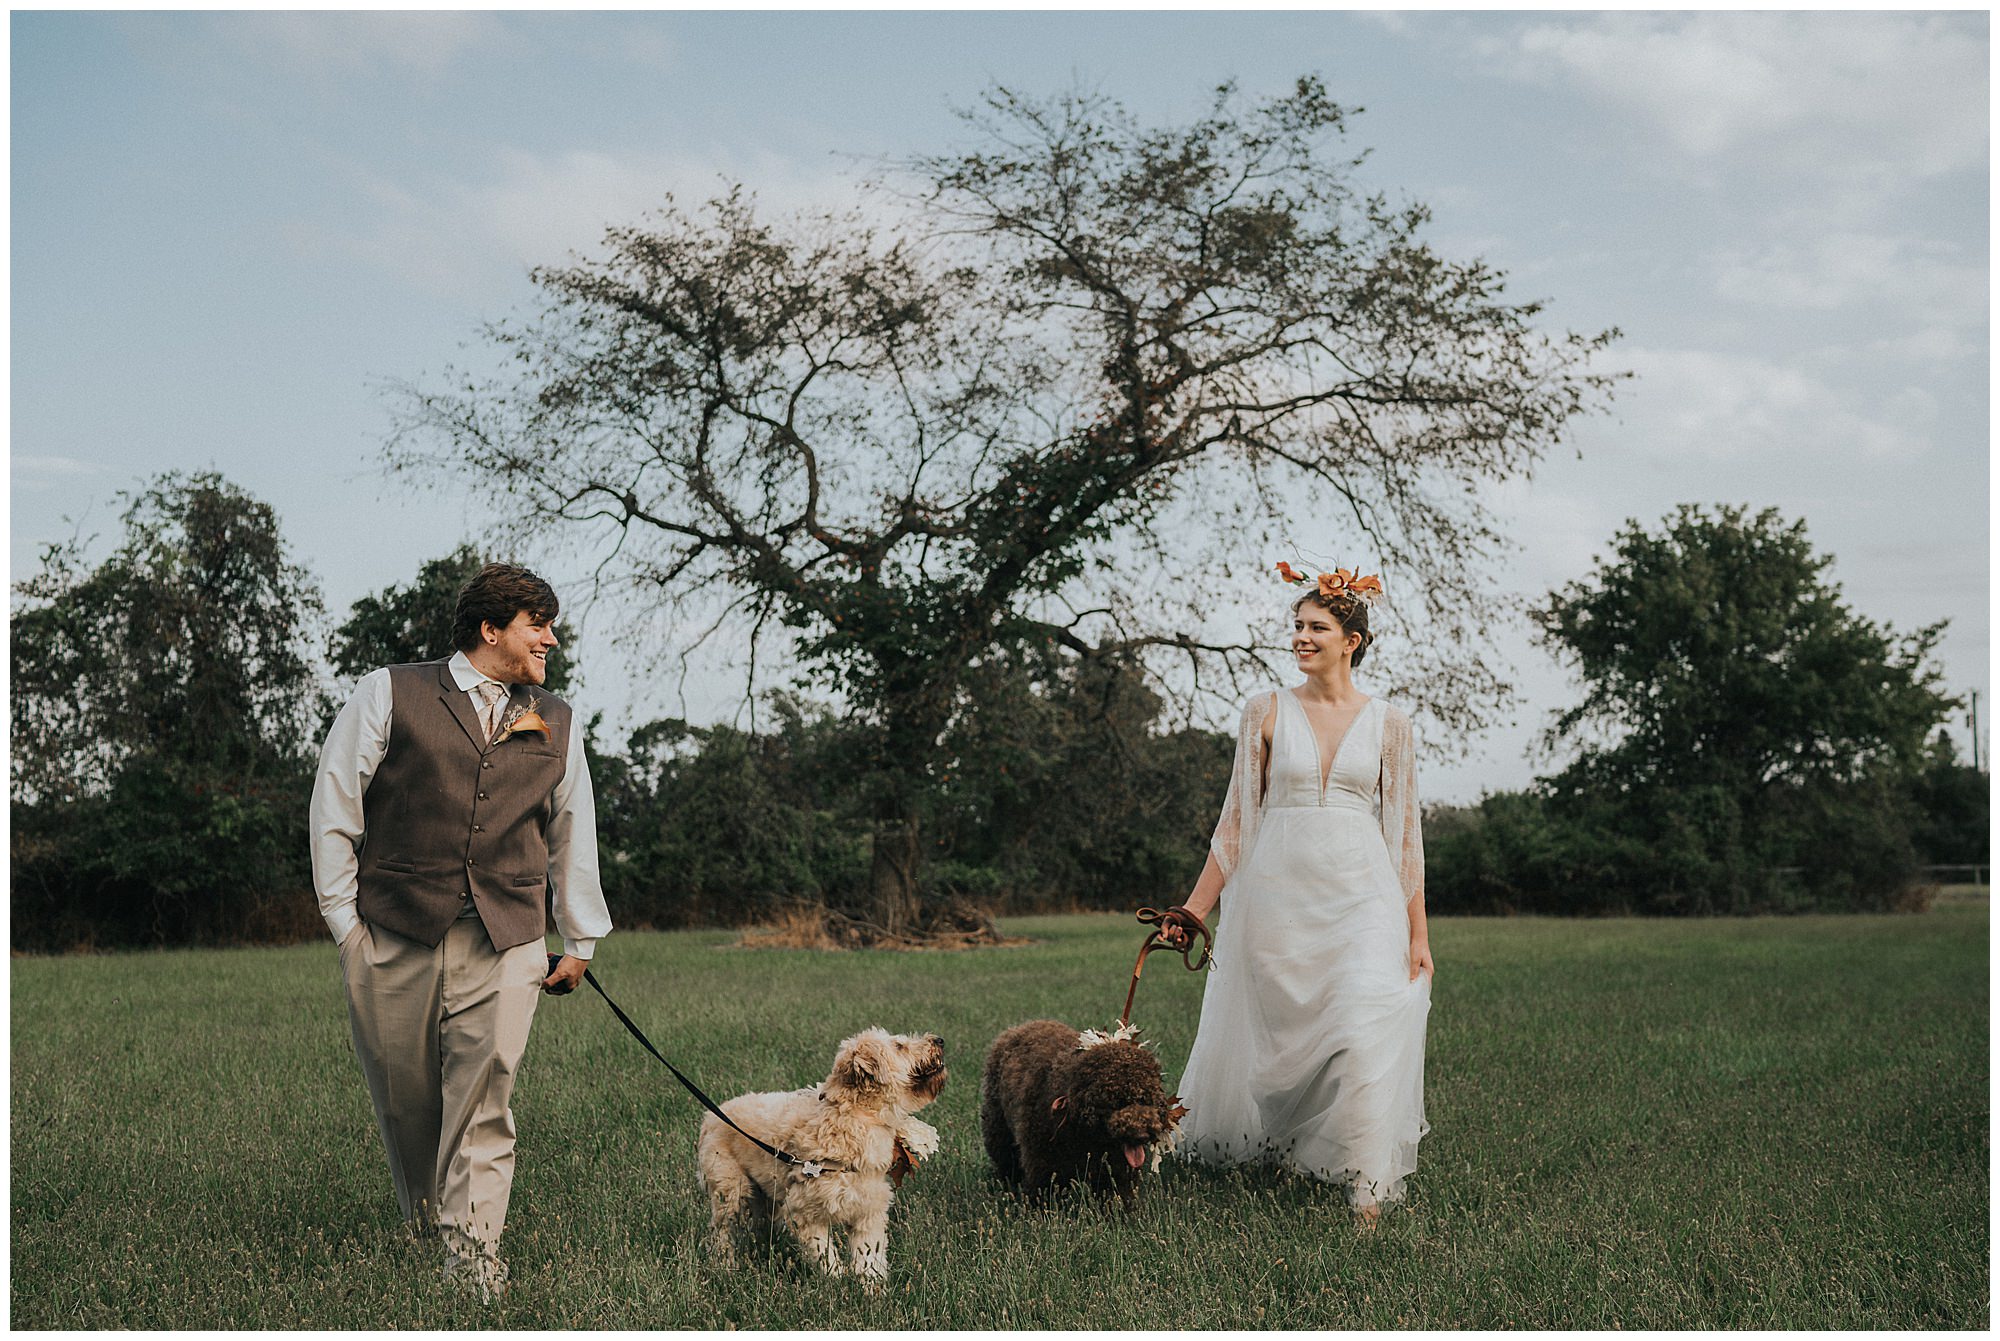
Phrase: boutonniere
[519,719]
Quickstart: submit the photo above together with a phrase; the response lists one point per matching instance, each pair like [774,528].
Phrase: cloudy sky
[231,230]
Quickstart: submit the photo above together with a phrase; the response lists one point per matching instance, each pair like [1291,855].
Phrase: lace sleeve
[1236,831]
[1402,823]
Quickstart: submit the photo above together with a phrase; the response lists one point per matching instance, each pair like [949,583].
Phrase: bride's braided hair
[1350,612]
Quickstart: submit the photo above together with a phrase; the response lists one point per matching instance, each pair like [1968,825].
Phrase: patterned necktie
[490,695]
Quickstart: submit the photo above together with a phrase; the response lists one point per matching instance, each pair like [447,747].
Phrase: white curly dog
[857,1132]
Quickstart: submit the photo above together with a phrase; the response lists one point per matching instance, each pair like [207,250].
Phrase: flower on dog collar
[915,1143]
[919,1138]
[520,721]
[1163,1147]
[1124,1033]
[1176,1110]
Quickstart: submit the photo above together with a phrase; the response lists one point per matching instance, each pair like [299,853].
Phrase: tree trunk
[892,875]
[908,741]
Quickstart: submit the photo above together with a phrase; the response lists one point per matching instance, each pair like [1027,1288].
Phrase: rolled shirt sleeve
[354,747]
[577,892]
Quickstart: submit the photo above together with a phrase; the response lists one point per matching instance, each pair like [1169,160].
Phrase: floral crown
[1339,582]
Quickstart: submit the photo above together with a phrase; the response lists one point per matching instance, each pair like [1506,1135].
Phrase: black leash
[810,1169]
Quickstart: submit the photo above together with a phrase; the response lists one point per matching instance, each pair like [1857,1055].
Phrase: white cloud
[453,235]
[424,43]
[539,207]
[38,470]
[1389,20]
[1702,405]
[1843,271]
[644,45]
[1928,347]
[1856,93]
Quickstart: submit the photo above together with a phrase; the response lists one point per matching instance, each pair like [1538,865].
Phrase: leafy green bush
[171,855]
[1677,851]
[163,702]
[1745,741]
[1952,811]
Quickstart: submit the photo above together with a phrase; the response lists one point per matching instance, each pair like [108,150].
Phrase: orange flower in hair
[1335,582]
[1339,582]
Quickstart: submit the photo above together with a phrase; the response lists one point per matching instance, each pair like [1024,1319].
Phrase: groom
[451,813]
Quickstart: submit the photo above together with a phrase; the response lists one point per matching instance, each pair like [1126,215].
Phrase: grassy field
[1761,1123]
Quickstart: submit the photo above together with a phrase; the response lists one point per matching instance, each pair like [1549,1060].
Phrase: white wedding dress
[1310,1051]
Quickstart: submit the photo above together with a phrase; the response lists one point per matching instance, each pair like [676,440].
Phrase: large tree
[164,705]
[1049,396]
[191,641]
[1736,710]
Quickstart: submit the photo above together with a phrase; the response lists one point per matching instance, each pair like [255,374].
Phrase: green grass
[1760,1123]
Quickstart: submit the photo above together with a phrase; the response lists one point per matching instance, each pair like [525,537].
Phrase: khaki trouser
[440,1033]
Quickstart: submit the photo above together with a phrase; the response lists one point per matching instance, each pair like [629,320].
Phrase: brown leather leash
[1154,941]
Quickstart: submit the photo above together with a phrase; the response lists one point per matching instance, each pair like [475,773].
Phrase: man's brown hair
[494,595]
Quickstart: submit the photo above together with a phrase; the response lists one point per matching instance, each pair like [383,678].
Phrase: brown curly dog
[1055,1107]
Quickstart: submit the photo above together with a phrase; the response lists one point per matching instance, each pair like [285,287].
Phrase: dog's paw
[920,1137]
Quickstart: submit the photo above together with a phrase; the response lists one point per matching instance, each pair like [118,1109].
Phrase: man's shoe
[475,1265]
[487,1276]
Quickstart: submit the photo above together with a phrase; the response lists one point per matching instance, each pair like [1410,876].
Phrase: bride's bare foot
[1368,1217]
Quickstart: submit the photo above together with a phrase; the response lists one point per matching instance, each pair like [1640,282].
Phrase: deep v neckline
[1324,767]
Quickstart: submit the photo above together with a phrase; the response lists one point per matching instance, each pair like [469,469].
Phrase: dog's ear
[857,1067]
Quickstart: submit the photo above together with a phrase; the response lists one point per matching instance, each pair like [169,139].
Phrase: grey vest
[450,817]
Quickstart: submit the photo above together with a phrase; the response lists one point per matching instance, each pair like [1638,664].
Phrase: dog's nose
[937,1042]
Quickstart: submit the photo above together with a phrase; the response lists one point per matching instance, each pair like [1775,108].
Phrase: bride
[1310,1051]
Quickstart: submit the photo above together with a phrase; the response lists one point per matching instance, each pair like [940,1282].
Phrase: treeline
[1060,794]
[168,704]
[1849,848]
[1768,751]
[1745,741]
[163,704]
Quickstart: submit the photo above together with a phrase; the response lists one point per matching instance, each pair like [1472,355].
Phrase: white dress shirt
[355,746]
